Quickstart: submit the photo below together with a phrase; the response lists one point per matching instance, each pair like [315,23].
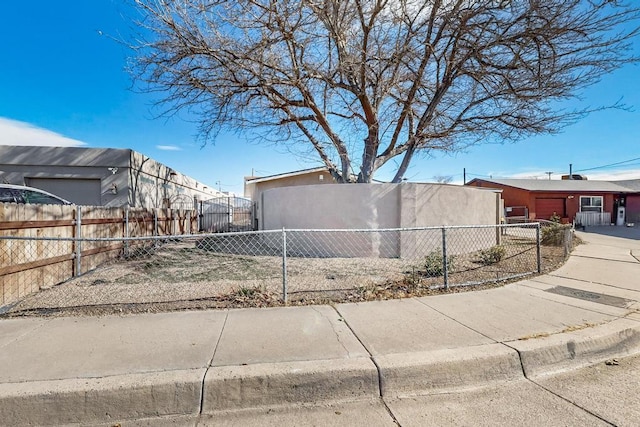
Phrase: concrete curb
[449,369]
[180,393]
[573,350]
[270,384]
[96,400]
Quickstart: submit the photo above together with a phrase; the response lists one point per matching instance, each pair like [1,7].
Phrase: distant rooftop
[568,185]
[285,175]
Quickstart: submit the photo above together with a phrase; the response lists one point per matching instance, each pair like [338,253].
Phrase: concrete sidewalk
[205,365]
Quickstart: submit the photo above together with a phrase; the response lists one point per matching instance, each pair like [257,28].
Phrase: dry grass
[181,276]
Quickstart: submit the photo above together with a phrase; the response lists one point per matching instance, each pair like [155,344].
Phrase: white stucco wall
[339,206]
[155,185]
[425,205]
[345,206]
[380,206]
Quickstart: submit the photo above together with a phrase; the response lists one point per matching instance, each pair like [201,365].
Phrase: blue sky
[63,82]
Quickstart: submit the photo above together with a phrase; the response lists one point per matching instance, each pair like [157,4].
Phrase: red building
[582,201]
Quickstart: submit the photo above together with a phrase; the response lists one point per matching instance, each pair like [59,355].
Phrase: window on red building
[591,204]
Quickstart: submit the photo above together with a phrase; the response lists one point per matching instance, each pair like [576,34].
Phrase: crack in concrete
[526,377]
[593,414]
[206,371]
[378,370]
[30,331]
[458,321]
[333,327]
[390,412]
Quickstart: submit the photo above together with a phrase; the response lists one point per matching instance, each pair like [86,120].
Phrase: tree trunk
[402,169]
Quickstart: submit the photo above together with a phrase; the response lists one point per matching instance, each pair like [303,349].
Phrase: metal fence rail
[226,214]
[291,265]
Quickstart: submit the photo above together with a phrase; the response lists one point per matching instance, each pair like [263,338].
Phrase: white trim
[593,218]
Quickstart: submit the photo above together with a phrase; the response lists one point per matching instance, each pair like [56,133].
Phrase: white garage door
[79,191]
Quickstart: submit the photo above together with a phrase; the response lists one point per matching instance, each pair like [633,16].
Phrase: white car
[21,194]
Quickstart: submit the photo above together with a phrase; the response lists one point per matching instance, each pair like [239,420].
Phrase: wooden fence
[40,245]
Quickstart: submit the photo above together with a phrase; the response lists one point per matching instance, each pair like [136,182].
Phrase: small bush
[433,264]
[552,235]
[247,292]
[492,255]
[555,218]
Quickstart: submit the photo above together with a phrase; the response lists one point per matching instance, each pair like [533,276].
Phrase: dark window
[591,204]
[8,195]
[43,199]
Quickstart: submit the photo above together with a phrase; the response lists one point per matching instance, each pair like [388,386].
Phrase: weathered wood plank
[17,268]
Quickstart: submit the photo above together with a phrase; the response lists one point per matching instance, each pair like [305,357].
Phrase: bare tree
[359,83]
[443,179]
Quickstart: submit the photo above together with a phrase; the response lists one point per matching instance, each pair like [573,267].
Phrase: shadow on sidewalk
[615,231]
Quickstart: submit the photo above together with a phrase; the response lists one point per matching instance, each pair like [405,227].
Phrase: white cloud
[13,132]
[168,148]
[619,175]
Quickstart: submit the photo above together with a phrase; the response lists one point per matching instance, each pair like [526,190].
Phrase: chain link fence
[266,267]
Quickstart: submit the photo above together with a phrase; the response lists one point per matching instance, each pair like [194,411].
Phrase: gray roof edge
[563,185]
[286,174]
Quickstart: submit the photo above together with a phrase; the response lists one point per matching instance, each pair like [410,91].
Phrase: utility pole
[464,176]
[549,173]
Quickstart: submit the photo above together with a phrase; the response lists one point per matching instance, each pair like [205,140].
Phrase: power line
[547,174]
[609,165]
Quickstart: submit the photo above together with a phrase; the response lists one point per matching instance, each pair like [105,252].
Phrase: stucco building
[254,186]
[101,177]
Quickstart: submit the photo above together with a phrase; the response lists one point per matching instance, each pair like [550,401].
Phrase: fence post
[175,219]
[538,251]
[78,242]
[445,264]
[155,221]
[284,265]
[229,214]
[127,233]
[567,239]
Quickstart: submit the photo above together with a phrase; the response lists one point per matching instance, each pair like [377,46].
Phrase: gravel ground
[180,276]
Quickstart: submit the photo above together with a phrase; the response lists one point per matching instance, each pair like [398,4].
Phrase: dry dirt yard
[180,276]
